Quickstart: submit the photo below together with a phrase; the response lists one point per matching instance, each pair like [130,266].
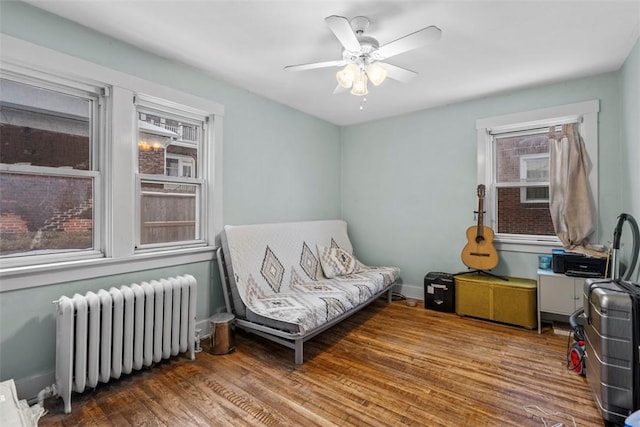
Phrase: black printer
[577,264]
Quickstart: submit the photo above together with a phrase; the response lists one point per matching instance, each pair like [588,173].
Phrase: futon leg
[298,351]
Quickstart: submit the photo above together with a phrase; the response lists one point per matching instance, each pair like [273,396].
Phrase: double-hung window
[101,172]
[50,203]
[513,163]
[171,189]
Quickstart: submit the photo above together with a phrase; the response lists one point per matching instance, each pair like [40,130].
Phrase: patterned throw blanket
[279,273]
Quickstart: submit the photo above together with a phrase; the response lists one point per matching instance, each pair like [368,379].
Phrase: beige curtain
[570,199]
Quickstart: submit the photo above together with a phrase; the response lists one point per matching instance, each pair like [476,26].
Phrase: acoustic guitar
[479,252]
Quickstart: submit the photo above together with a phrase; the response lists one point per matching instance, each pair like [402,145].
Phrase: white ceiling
[487,47]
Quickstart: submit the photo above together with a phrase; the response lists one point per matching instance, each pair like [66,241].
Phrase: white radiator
[109,333]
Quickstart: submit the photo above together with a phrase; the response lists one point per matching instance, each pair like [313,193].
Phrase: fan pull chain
[362,104]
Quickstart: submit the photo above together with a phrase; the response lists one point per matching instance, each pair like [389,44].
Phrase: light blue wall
[409,182]
[630,140]
[279,165]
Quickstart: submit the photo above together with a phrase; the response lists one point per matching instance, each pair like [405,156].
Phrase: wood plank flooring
[388,365]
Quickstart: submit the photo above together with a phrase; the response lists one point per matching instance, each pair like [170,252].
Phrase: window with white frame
[513,163]
[49,168]
[72,185]
[170,183]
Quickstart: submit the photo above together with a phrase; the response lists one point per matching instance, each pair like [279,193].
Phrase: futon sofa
[288,282]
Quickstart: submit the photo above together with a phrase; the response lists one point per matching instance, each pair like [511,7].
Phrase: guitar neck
[480,230]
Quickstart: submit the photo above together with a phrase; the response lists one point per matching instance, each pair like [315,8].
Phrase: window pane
[168,212]
[165,143]
[45,214]
[512,152]
[515,217]
[41,127]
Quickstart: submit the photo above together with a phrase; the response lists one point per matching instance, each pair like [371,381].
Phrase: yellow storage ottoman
[510,301]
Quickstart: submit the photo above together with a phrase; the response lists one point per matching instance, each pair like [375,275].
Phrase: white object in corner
[14,412]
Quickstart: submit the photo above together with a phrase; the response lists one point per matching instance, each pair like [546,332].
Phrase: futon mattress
[276,277]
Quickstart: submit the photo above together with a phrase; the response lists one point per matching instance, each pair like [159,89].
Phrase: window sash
[44,170]
[97,121]
[168,110]
[521,184]
[26,258]
[200,225]
[93,94]
[188,118]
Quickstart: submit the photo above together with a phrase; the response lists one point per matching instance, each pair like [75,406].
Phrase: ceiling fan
[362,55]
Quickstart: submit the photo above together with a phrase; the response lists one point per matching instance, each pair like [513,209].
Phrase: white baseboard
[413,292]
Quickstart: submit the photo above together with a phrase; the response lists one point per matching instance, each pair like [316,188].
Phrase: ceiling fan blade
[410,42]
[314,65]
[341,27]
[339,89]
[398,73]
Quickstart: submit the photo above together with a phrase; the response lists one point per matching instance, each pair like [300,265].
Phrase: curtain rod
[532,126]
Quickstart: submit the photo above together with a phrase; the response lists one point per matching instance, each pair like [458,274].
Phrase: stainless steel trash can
[222,341]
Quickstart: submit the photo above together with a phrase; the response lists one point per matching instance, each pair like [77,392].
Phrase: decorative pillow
[337,262]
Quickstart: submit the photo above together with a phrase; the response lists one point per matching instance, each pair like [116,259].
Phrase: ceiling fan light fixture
[376,74]
[347,75]
[360,85]
[361,53]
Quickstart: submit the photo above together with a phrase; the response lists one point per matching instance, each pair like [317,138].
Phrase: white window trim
[118,187]
[585,113]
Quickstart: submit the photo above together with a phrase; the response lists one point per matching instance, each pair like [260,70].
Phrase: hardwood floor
[388,365]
